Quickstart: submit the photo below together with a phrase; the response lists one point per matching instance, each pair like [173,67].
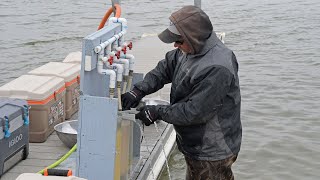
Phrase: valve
[130,45]
[25,114]
[118,54]
[6,127]
[110,60]
[124,50]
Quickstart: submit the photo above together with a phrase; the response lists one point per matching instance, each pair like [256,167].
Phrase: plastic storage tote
[45,96]
[71,75]
[14,132]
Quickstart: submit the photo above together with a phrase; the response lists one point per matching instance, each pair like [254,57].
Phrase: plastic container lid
[67,71]
[32,87]
[74,57]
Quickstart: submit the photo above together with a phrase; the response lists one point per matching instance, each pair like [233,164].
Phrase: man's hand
[148,114]
[131,99]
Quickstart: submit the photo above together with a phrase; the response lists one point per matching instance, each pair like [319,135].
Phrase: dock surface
[147,51]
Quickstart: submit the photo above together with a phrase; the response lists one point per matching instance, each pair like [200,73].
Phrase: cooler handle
[6,127]
[26,114]
[57,172]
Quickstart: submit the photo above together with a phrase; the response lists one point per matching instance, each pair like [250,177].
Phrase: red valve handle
[110,60]
[124,50]
[130,45]
[118,54]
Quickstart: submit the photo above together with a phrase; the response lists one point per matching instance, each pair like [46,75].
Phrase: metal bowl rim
[60,124]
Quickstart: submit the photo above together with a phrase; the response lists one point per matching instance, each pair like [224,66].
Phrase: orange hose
[105,18]
[108,13]
[118,10]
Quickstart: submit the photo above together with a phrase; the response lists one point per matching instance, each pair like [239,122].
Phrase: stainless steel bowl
[67,132]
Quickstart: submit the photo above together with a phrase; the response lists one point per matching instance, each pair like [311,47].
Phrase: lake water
[277,44]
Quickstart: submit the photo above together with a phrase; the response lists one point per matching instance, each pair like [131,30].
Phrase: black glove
[148,114]
[131,99]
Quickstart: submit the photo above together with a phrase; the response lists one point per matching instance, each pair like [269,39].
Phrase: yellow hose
[55,164]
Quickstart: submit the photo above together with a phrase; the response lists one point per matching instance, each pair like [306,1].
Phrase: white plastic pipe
[113,54]
[114,46]
[118,48]
[123,21]
[103,45]
[110,72]
[124,27]
[108,48]
[125,63]
[119,68]
[119,36]
[131,60]
[126,71]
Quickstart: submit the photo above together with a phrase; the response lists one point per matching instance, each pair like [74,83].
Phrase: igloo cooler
[71,75]
[45,96]
[14,132]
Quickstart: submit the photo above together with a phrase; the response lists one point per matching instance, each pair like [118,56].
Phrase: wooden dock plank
[46,149]
[46,155]
[10,176]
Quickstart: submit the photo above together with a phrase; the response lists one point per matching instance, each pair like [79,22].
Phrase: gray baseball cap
[170,35]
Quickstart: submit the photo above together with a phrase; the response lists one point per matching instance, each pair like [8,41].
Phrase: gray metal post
[197,3]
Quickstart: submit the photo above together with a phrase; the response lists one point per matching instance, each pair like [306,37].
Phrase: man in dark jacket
[205,95]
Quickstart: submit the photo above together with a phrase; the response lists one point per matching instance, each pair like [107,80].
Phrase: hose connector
[111,92]
[130,45]
[130,72]
[124,50]
[118,54]
[118,84]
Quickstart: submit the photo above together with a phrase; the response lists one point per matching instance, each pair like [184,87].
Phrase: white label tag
[87,63]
